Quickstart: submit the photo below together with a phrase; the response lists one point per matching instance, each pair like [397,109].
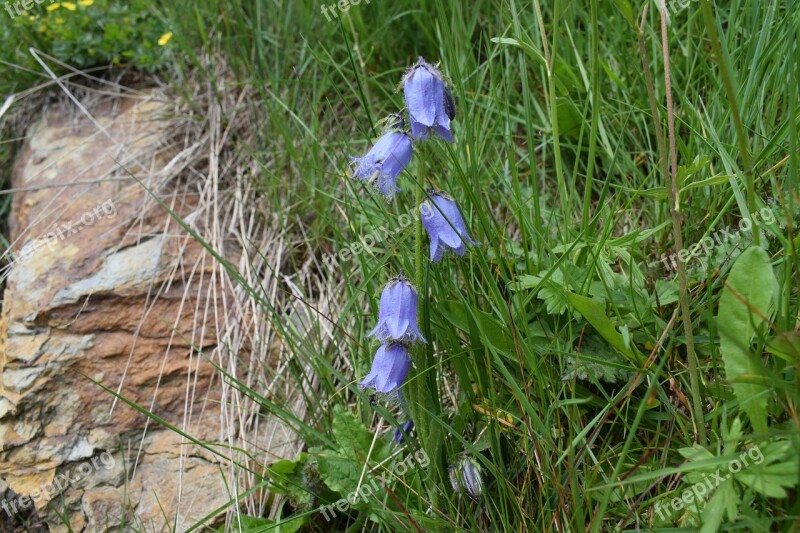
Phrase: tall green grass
[562,360]
[561,352]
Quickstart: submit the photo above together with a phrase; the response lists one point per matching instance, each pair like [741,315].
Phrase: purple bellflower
[385,161]
[404,431]
[429,101]
[397,313]
[465,475]
[389,369]
[445,226]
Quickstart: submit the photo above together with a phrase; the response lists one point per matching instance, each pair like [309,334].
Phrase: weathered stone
[94,293]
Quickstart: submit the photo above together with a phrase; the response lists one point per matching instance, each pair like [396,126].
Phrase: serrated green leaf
[352,438]
[723,501]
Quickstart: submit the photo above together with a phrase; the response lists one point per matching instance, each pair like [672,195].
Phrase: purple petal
[398,156]
[385,161]
[404,431]
[444,132]
[419,131]
[389,369]
[397,314]
[420,94]
[445,226]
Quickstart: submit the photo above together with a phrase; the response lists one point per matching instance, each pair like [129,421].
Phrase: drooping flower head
[429,101]
[386,159]
[389,369]
[465,475]
[397,313]
[404,431]
[445,226]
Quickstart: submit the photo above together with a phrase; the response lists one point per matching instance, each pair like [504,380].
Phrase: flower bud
[465,475]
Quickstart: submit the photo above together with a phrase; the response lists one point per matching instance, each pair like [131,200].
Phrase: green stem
[727,81]
[424,383]
[566,198]
[672,186]
[595,84]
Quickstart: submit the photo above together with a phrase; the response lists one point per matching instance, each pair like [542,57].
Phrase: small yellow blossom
[68,5]
[53,7]
[85,3]
[165,38]
[31,18]
[59,20]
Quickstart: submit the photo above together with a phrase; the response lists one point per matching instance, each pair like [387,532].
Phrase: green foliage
[563,354]
[83,34]
[341,467]
[736,475]
[747,302]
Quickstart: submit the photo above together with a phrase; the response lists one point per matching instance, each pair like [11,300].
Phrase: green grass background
[559,175]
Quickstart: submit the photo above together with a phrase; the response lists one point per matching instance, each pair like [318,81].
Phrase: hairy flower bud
[465,475]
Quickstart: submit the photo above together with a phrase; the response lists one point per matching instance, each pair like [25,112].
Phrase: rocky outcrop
[103,289]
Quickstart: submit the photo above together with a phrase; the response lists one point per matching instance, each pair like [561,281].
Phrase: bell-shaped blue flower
[403,432]
[384,162]
[389,369]
[445,226]
[429,101]
[397,313]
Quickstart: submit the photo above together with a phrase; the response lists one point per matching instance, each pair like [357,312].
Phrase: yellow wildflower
[165,38]
[59,20]
[53,7]
[85,3]
[68,5]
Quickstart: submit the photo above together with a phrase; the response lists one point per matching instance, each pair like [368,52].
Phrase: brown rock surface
[100,290]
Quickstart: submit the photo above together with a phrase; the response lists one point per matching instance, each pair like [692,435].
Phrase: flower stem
[672,186]
[423,387]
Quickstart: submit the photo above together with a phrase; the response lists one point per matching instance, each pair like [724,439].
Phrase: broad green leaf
[286,473]
[341,469]
[339,473]
[569,117]
[595,314]
[745,303]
